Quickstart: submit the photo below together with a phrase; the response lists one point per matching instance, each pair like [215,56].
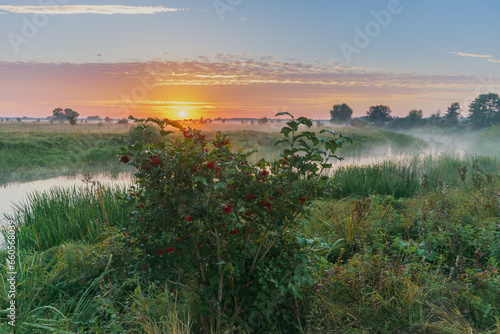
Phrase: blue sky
[426,54]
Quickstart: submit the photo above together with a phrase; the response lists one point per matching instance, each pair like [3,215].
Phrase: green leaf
[306,121]
[201,179]
[285,131]
[220,184]
[281,141]
[138,146]
[399,244]
[214,280]
[284,113]
[328,131]
[165,133]
[293,125]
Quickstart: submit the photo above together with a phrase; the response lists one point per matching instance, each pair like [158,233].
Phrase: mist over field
[249,167]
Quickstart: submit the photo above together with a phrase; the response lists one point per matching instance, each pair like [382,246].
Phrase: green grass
[28,154]
[394,229]
[406,178]
[49,219]
[392,266]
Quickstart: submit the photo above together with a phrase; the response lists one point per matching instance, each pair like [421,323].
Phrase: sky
[245,58]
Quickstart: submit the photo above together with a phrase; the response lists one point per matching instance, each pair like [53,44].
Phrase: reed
[49,219]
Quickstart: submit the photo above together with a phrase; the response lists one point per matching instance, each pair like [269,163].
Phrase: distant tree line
[484,111]
[68,114]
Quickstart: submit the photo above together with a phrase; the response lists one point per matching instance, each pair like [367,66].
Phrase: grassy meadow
[414,242]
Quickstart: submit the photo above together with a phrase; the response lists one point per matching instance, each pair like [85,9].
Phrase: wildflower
[251,196]
[233,232]
[141,205]
[198,245]
[264,173]
[227,208]
[223,225]
[126,234]
[302,200]
[250,231]
[210,165]
[169,250]
[188,218]
[132,194]
[125,158]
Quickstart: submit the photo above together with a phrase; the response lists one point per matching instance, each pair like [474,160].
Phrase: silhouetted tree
[415,115]
[69,114]
[340,113]
[58,114]
[263,120]
[485,110]
[379,114]
[452,115]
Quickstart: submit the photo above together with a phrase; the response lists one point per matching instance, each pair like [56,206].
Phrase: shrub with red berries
[203,217]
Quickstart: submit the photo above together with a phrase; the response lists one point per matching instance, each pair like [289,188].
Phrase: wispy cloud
[473,55]
[87,9]
[491,60]
[222,85]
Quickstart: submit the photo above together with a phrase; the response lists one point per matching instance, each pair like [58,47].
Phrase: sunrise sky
[244,58]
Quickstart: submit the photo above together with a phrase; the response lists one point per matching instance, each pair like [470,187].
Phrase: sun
[182,114]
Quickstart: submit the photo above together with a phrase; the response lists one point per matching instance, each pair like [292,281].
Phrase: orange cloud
[220,85]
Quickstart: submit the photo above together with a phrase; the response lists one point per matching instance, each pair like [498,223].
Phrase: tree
[71,115]
[452,115]
[415,115]
[485,110]
[340,113]
[59,114]
[379,114]
[435,118]
[263,120]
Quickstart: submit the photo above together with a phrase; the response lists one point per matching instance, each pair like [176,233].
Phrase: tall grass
[406,177]
[82,288]
[49,219]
